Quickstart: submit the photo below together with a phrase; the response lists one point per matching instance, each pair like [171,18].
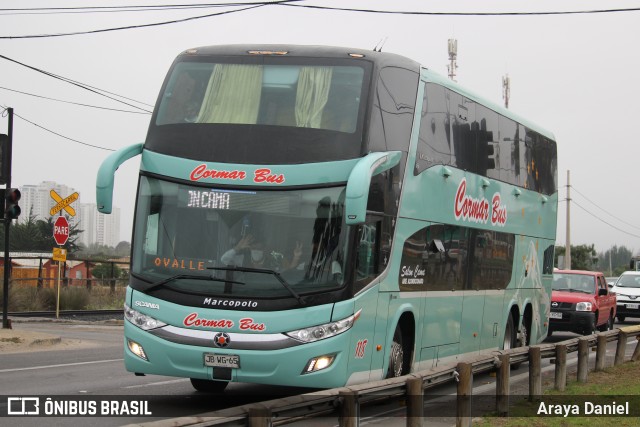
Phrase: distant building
[96,228]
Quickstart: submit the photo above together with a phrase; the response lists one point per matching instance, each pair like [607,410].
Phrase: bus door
[370,327]
[430,271]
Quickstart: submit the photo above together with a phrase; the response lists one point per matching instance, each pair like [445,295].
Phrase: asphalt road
[91,364]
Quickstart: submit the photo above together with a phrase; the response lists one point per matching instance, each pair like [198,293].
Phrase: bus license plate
[634,306]
[222,360]
[555,315]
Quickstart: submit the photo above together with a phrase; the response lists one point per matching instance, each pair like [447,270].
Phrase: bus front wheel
[208,386]
[396,359]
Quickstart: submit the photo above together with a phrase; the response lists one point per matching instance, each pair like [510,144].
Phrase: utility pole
[7,223]
[567,253]
[506,90]
[453,55]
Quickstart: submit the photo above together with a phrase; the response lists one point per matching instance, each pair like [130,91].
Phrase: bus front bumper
[276,366]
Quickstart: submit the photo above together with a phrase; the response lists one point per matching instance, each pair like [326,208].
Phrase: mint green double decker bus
[319,217]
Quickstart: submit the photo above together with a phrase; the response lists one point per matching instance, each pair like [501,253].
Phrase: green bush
[46,298]
[74,298]
[30,298]
[21,298]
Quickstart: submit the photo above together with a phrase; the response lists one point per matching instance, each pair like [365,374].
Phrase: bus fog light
[319,363]
[137,349]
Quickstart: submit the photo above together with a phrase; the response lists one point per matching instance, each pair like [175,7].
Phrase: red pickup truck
[581,302]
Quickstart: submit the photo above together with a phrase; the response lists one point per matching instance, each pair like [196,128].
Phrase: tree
[107,270]
[583,257]
[123,249]
[36,235]
[615,260]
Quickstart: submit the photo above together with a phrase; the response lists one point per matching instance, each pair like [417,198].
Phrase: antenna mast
[506,90]
[453,55]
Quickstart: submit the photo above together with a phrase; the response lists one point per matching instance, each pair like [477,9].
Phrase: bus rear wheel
[509,341]
[209,386]
[396,358]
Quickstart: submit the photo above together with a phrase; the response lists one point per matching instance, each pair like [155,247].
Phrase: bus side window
[151,236]
[366,257]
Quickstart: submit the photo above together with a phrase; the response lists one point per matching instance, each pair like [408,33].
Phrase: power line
[399,12]
[92,89]
[608,213]
[73,103]
[59,134]
[601,220]
[290,3]
[155,24]
[112,9]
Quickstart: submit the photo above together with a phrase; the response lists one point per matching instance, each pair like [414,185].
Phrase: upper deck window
[304,96]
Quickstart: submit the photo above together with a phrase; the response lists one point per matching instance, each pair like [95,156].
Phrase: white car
[627,289]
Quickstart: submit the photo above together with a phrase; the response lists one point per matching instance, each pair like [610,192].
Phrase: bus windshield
[242,243]
[309,96]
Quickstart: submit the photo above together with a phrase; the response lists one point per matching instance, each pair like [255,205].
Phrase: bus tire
[509,341]
[524,335]
[396,358]
[209,386]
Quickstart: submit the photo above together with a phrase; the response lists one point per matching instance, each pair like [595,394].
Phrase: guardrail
[347,400]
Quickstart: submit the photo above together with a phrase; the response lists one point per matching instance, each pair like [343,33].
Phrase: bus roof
[378,58]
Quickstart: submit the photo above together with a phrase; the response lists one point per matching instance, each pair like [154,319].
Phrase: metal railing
[347,400]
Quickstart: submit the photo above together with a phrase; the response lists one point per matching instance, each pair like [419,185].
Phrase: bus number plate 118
[222,360]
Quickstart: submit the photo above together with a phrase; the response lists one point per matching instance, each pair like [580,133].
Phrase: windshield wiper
[263,271]
[186,276]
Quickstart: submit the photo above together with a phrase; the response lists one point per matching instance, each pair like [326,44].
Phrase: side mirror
[106,173]
[603,292]
[360,180]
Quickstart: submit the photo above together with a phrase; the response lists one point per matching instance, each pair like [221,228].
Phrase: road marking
[180,380]
[61,365]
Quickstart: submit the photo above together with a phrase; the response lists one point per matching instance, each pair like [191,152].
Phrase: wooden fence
[43,271]
[410,388]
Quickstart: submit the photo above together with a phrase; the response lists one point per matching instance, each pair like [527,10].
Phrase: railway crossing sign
[61,230]
[63,203]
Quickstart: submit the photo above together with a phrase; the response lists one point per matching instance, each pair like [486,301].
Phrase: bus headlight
[141,320]
[328,330]
[583,306]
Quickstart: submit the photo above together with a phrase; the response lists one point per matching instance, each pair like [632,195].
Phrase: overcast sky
[577,75]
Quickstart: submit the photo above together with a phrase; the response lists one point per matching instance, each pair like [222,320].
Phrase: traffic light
[11,208]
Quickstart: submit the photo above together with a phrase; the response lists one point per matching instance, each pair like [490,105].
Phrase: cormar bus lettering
[147,304]
[265,175]
[469,209]
[193,320]
[248,324]
[201,172]
[499,211]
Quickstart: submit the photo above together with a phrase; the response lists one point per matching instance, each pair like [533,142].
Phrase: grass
[31,298]
[619,383]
